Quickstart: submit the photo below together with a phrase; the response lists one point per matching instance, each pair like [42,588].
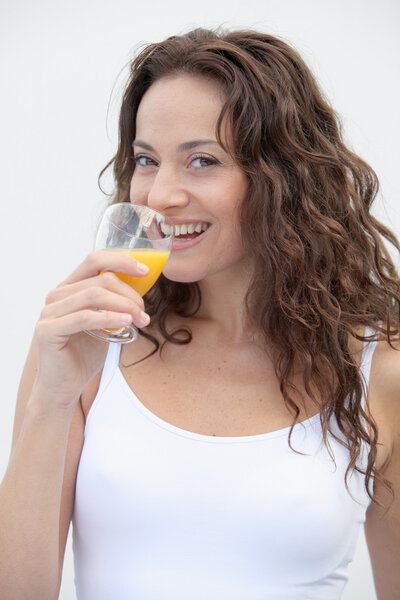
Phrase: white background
[62,70]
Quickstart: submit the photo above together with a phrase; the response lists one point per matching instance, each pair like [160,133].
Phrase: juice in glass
[153,258]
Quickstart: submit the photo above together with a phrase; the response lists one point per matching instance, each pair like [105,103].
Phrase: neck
[223,306]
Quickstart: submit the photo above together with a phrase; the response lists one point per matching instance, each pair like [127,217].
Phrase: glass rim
[164,218]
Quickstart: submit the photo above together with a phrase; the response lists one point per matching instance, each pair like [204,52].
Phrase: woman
[232,451]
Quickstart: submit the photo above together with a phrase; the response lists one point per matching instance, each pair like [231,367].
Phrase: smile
[187,235]
[191,229]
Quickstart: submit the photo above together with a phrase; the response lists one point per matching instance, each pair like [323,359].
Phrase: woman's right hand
[92,297]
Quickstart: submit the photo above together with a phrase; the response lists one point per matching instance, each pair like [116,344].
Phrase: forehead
[181,104]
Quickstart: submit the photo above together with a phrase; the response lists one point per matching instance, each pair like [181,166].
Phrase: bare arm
[36,495]
[383,537]
[37,492]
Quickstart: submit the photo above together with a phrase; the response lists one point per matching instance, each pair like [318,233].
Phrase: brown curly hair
[322,269]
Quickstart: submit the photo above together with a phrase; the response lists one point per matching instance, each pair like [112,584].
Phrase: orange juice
[153,258]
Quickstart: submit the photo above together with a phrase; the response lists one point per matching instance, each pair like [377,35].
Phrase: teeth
[183,229]
[166,229]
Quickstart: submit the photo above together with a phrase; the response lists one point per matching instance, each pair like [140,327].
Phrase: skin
[63,368]
[202,183]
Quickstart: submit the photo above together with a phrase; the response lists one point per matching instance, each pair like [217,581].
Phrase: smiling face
[182,171]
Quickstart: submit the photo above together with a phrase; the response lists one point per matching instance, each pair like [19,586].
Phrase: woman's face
[182,171]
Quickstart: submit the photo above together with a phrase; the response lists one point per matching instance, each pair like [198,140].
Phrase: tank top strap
[109,368]
[366,359]
[110,365]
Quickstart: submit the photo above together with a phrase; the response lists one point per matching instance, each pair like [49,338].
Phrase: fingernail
[142,268]
[144,318]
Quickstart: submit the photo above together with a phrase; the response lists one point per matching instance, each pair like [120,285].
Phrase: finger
[95,298]
[56,330]
[108,281]
[106,260]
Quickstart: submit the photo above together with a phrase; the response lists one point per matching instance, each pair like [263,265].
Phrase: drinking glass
[143,234]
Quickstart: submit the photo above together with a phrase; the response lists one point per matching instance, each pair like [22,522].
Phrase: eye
[142,160]
[202,161]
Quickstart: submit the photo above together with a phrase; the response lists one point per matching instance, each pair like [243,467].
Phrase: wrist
[44,403]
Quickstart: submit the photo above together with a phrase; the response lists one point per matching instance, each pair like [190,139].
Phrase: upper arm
[74,449]
[74,446]
[382,530]
[382,526]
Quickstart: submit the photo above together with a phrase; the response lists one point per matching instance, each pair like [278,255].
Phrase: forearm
[30,499]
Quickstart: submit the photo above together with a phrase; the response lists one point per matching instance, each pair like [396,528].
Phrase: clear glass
[140,232]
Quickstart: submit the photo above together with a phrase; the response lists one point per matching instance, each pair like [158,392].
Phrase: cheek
[227,239]
[137,192]
[234,200]
[236,193]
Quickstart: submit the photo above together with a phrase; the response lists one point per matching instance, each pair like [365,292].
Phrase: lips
[188,241]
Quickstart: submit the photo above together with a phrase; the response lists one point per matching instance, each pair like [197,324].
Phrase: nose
[167,190]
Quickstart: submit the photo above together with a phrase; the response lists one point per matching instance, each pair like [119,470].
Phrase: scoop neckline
[202,437]
[115,350]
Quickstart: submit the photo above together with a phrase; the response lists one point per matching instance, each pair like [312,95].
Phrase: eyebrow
[181,148]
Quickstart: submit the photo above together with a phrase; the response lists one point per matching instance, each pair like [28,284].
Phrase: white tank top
[162,513]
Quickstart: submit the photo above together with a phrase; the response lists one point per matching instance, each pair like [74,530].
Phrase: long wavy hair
[322,269]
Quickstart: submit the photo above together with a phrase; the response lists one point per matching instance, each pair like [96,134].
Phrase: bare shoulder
[385,373]
[384,391]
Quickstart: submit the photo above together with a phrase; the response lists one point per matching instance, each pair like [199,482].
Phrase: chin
[181,277]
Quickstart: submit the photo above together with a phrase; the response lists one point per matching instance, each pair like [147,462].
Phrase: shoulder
[385,373]
[130,354]
[89,394]
[384,392]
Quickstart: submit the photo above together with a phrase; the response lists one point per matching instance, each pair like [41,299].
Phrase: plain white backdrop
[62,69]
